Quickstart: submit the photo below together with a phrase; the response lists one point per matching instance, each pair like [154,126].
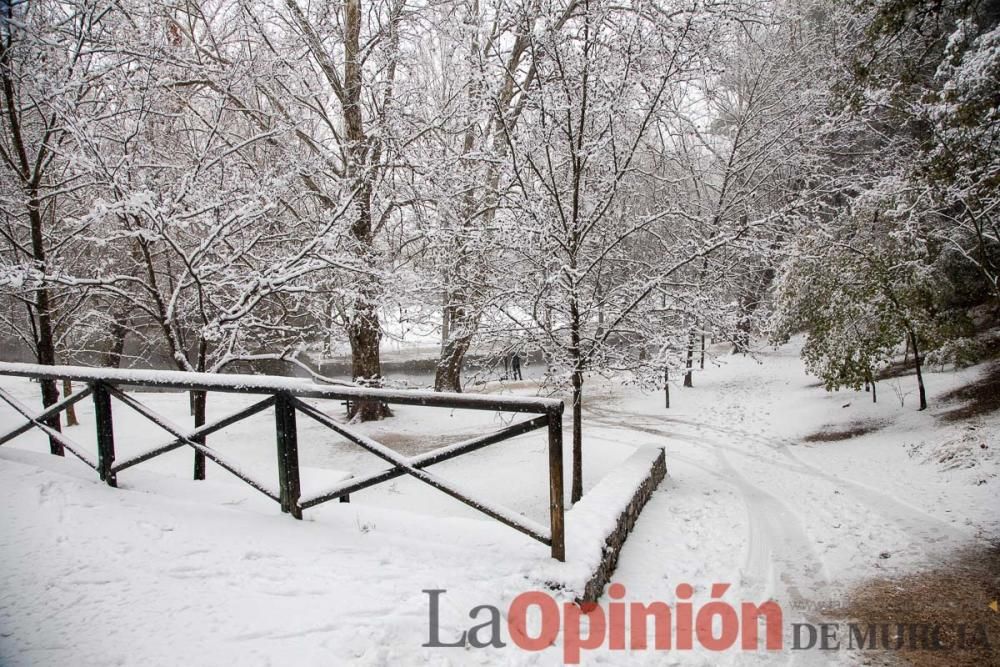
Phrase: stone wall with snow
[598,525]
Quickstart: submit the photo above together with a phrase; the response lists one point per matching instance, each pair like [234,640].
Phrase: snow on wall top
[595,516]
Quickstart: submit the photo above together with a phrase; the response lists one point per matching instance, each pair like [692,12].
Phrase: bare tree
[602,83]
[46,72]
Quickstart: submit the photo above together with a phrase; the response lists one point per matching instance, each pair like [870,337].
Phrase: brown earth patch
[897,368]
[955,593]
[413,445]
[852,430]
[980,397]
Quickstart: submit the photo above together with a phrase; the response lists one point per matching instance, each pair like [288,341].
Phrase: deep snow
[168,571]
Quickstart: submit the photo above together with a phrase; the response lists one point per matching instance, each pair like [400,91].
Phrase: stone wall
[626,520]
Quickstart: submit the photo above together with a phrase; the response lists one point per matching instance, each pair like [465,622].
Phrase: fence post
[105,434]
[556,484]
[666,385]
[198,400]
[288,455]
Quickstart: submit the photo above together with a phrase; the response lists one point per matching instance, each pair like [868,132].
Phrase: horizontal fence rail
[285,396]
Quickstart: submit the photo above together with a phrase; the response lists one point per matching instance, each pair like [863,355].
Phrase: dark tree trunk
[577,491]
[666,386]
[198,407]
[575,353]
[448,374]
[363,157]
[366,367]
[702,362]
[199,400]
[917,362]
[364,329]
[690,360]
[365,332]
[30,172]
[113,357]
[44,343]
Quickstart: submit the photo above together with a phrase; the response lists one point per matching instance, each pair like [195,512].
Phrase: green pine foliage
[906,241]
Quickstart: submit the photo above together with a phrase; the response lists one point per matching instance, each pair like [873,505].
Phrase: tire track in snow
[934,531]
[775,537]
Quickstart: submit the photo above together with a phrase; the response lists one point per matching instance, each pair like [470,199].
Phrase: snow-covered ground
[167,571]
[749,502]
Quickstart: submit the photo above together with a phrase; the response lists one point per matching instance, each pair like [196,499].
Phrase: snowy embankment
[752,502]
[168,571]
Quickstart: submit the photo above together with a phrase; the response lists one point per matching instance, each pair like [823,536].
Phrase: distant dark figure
[515,367]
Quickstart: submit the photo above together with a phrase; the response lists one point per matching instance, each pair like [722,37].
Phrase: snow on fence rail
[285,396]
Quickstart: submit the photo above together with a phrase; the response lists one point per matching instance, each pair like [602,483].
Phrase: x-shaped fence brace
[286,397]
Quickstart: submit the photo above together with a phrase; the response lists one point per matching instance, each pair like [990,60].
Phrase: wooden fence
[285,396]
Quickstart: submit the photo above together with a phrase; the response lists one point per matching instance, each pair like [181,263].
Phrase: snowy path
[748,503]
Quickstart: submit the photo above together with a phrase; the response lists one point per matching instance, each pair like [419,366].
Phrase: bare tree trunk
[702,363]
[463,323]
[448,374]
[445,321]
[328,338]
[366,369]
[577,491]
[198,406]
[30,172]
[917,362]
[362,168]
[364,329]
[44,343]
[71,409]
[666,386]
[690,359]
[113,357]
[449,371]
[599,295]
[199,400]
